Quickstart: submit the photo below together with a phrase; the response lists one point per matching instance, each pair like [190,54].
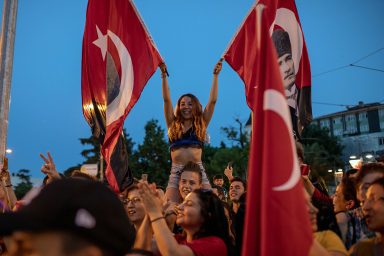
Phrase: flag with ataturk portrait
[288,37]
[119,57]
[276,219]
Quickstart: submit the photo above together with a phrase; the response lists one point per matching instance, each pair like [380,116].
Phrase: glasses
[134,200]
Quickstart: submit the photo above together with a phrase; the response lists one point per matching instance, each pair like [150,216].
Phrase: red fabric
[205,246]
[276,221]
[317,195]
[117,21]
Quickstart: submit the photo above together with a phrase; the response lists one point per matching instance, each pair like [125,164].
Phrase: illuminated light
[8,151]
[369,156]
[353,157]
[355,163]
[330,170]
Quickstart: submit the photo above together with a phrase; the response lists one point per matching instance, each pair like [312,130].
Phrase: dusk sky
[46,114]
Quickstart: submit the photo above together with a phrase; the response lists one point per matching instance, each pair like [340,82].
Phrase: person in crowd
[326,242]
[344,202]
[202,217]
[366,175]
[187,126]
[69,217]
[373,209]
[313,183]
[219,191]
[218,180]
[236,189]
[190,179]
[133,205]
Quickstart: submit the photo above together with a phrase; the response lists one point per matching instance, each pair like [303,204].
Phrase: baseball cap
[83,207]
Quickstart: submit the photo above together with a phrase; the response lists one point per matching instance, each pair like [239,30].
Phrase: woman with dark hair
[373,208]
[202,217]
[344,202]
[187,126]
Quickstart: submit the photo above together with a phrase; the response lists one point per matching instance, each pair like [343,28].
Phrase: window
[381,141]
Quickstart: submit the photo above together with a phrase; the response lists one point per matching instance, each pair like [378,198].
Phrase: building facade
[360,129]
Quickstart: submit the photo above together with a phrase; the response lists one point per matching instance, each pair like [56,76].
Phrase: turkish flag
[276,219]
[118,59]
[282,15]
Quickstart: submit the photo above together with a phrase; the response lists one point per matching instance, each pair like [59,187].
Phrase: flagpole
[8,30]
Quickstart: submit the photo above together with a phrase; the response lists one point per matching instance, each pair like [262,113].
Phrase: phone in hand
[144,177]
[304,168]
[230,163]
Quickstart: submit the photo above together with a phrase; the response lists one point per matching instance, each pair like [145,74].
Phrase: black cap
[282,43]
[82,207]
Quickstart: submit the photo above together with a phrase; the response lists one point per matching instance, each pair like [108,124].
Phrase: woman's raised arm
[210,107]
[168,108]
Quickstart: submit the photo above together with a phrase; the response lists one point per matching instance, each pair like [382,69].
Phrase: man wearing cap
[69,217]
[287,71]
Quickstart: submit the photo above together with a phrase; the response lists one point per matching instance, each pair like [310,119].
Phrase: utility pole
[8,30]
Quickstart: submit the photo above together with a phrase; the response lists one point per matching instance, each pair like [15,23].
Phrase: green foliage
[321,151]
[153,155]
[25,183]
[217,158]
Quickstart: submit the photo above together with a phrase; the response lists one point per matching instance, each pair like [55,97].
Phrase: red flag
[276,221]
[119,57]
[282,15]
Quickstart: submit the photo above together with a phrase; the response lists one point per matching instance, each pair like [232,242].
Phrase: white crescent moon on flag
[117,107]
[286,19]
[276,102]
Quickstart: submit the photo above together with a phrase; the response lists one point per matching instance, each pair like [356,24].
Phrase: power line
[331,70]
[353,64]
[331,104]
[366,56]
[374,69]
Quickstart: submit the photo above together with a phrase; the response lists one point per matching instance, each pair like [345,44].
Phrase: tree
[321,151]
[216,159]
[92,154]
[25,183]
[237,135]
[153,155]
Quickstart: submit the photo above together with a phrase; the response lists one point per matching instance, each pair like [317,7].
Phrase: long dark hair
[214,220]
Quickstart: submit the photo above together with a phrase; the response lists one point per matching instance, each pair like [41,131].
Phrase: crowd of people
[80,215]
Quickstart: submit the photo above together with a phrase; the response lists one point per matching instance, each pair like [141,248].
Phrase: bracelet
[156,219]
[169,214]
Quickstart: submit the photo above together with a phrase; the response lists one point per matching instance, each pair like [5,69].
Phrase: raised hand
[229,172]
[49,167]
[164,71]
[150,198]
[218,67]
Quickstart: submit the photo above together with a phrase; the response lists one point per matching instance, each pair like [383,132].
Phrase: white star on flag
[101,42]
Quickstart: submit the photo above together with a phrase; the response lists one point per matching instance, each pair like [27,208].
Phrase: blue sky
[191,36]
